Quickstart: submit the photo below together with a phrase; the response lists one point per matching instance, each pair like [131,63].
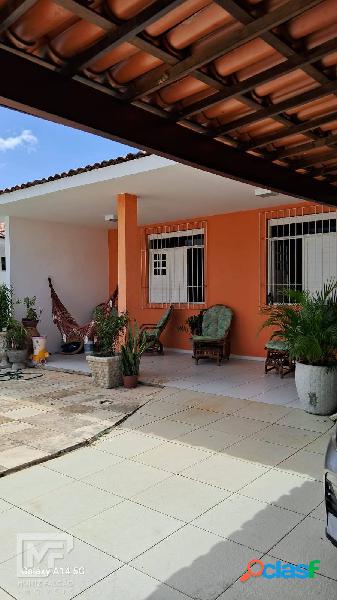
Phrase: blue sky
[32,148]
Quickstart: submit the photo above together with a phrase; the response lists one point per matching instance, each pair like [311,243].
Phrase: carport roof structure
[246,89]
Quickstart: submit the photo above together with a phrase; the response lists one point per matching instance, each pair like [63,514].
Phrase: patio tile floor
[167,509]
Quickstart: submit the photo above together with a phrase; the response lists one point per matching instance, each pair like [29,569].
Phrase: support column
[128,254]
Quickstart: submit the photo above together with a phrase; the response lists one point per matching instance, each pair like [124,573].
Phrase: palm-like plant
[308,326]
[132,350]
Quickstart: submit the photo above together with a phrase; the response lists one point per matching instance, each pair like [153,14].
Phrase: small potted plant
[131,352]
[5,313]
[16,338]
[30,321]
[309,329]
[105,363]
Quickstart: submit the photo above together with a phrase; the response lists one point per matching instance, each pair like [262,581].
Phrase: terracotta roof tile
[98,165]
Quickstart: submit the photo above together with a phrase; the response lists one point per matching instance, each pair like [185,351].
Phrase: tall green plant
[132,350]
[108,328]
[308,326]
[16,335]
[5,305]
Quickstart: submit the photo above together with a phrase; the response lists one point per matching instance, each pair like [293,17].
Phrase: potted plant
[16,338]
[30,321]
[193,324]
[309,328]
[5,313]
[105,363]
[131,352]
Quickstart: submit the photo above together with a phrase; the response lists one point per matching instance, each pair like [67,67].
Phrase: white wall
[76,258]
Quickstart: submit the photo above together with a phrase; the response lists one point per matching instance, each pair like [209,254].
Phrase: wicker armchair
[215,339]
[278,358]
[153,331]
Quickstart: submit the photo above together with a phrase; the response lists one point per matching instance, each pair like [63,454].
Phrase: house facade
[165,234]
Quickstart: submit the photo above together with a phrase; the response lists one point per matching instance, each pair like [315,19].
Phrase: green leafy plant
[193,324]
[32,313]
[108,328]
[5,305]
[308,326]
[132,350]
[16,336]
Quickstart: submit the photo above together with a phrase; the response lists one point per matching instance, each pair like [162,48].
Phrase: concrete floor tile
[65,582]
[126,530]
[4,595]
[259,588]
[196,416]
[223,404]
[309,464]
[319,512]
[127,583]
[82,462]
[126,478]
[71,504]
[208,439]
[249,522]
[225,472]
[13,523]
[302,420]
[167,429]
[195,562]
[287,436]
[30,483]
[295,547]
[286,490]
[127,445]
[172,457]
[239,425]
[181,498]
[260,411]
[19,455]
[320,444]
[259,452]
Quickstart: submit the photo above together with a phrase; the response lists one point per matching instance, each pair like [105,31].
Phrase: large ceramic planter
[106,371]
[18,358]
[316,388]
[3,354]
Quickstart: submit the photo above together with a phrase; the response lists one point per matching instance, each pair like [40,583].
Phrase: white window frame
[324,238]
[172,286]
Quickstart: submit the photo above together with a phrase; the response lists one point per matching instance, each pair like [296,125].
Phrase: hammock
[70,330]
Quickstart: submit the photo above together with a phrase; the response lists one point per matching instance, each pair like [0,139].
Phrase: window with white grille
[301,253]
[176,270]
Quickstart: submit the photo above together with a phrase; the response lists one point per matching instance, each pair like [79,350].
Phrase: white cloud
[26,139]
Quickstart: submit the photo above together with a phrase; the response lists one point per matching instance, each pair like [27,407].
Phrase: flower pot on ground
[31,320]
[5,313]
[105,363]
[131,352]
[309,328]
[16,338]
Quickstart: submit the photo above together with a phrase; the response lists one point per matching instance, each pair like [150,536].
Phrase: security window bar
[176,267]
[301,254]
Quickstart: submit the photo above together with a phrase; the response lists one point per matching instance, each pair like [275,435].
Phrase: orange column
[128,254]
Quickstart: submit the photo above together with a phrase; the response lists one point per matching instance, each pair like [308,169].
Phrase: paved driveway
[172,505]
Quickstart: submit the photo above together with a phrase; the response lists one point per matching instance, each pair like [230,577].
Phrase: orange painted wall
[233,278]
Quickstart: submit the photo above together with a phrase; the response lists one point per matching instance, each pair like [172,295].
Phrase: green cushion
[151,333]
[216,321]
[277,345]
[204,338]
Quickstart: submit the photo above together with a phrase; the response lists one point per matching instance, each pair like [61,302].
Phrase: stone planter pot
[3,354]
[106,371]
[316,388]
[130,381]
[18,358]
